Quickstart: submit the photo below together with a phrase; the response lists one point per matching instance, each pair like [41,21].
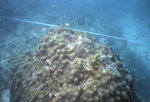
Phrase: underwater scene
[74,51]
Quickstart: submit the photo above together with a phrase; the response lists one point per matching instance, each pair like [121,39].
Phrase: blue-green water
[127,19]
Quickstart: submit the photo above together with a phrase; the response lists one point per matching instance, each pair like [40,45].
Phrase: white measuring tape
[93,33]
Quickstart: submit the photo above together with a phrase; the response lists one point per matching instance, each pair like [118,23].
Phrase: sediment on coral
[71,67]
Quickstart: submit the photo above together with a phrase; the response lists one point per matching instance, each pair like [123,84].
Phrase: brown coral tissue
[70,67]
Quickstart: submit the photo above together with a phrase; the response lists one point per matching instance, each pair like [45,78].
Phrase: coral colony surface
[71,67]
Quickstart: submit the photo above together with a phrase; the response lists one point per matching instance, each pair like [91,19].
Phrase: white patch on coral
[70,45]
[50,95]
[52,68]
[104,70]
[56,95]
[80,38]
[46,67]
[48,61]
[88,68]
[103,57]
[112,67]
[86,83]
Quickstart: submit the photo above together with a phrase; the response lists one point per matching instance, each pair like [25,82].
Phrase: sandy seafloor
[17,37]
[6,96]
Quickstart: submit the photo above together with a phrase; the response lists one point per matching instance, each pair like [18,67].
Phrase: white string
[50,25]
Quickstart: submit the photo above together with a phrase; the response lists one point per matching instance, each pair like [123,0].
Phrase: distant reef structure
[71,67]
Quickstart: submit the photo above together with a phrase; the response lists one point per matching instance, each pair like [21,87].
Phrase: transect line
[30,21]
[50,25]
